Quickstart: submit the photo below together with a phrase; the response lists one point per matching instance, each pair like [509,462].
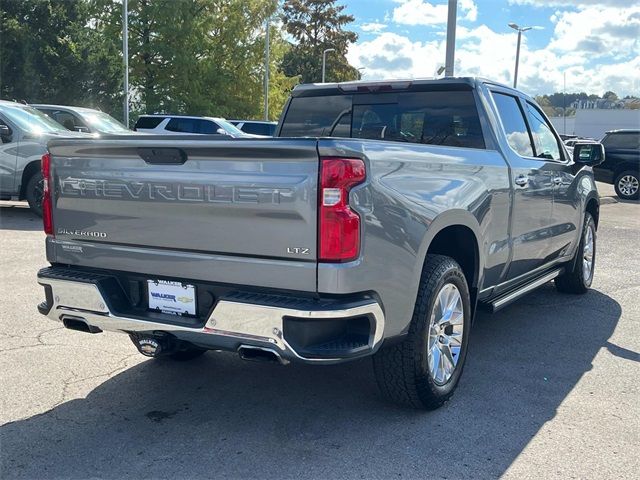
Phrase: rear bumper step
[293,332]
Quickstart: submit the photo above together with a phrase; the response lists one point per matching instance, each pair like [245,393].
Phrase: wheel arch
[456,234]
[29,170]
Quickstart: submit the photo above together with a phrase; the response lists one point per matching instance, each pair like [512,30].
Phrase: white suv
[182,124]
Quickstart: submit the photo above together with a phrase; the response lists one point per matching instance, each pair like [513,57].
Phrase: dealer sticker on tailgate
[172,297]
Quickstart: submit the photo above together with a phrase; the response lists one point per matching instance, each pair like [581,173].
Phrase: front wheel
[33,193]
[579,274]
[423,371]
[627,185]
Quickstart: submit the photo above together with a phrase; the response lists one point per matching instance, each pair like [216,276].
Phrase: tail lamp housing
[338,225]
[47,200]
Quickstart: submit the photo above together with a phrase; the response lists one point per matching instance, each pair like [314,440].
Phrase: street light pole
[520,30]
[324,60]
[125,54]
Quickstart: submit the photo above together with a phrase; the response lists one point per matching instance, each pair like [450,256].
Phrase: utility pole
[125,54]
[266,71]
[324,60]
[451,38]
[564,104]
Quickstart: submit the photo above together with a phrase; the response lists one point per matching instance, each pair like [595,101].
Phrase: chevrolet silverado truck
[376,224]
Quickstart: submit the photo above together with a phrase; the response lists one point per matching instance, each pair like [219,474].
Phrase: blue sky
[593,42]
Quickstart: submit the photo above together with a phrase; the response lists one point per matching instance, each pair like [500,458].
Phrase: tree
[316,25]
[198,57]
[609,95]
[49,53]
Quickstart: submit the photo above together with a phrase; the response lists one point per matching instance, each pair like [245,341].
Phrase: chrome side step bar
[512,296]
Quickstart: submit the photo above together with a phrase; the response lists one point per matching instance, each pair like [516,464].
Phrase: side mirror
[588,153]
[81,129]
[222,131]
[5,133]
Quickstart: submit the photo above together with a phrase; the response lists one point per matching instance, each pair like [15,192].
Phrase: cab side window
[545,142]
[515,127]
[6,134]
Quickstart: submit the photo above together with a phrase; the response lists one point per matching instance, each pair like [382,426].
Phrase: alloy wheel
[628,185]
[446,330]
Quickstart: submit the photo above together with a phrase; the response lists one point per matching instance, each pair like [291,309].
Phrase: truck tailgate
[249,200]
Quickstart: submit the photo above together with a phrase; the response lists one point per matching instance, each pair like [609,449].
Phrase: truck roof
[362,86]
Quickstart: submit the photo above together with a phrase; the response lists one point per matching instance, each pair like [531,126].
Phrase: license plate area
[175,298]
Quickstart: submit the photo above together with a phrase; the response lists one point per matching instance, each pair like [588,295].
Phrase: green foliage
[50,54]
[316,25]
[199,57]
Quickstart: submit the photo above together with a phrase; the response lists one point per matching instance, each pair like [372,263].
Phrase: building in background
[594,122]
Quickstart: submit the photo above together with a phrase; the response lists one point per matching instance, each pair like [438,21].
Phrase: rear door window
[148,122]
[622,140]
[513,123]
[182,125]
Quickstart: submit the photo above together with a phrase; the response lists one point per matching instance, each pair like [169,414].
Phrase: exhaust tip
[260,354]
[79,324]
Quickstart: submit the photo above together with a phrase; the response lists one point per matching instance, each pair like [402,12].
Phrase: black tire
[627,185]
[185,355]
[402,371]
[575,279]
[33,193]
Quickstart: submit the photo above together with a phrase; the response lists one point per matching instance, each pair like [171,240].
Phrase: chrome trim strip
[504,301]
[259,324]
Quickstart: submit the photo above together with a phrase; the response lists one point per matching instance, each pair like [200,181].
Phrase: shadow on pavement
[219,416]
[18,218]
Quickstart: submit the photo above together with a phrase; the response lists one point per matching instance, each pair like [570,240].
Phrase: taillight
[338,225]
[47,202]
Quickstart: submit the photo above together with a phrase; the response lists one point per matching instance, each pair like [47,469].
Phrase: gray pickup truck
[24,133]
[379,221]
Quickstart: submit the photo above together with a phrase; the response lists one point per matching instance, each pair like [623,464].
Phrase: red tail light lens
[47,205]
[338,225]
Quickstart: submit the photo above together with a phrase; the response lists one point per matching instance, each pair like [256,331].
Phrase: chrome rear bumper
[230,324]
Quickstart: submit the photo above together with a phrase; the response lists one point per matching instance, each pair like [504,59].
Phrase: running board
[513,295]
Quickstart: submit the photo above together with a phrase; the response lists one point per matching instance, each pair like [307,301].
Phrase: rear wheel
[627,185]
[33,193]
[423,371]
[579,278]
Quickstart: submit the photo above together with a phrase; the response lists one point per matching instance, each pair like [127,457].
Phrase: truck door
[532,181]
[8,157]
[567,206]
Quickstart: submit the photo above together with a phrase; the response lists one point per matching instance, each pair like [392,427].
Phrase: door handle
[522,180]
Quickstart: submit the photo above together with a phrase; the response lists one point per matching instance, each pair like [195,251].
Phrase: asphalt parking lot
[550,390]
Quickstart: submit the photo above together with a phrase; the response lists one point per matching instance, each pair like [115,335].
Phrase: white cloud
[597,31]
[573,3]
[420,12]
[373,27]
[596,47]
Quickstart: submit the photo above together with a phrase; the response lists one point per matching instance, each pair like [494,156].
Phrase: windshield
[232,129]
[32,120]
[104,122]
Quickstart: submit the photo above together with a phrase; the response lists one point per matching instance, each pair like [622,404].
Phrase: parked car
[82,119]
[433,198]
[183,124]
[570,142]
[24,132]
[256,127]
[621,166]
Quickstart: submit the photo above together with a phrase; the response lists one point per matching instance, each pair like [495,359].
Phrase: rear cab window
[448,118]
